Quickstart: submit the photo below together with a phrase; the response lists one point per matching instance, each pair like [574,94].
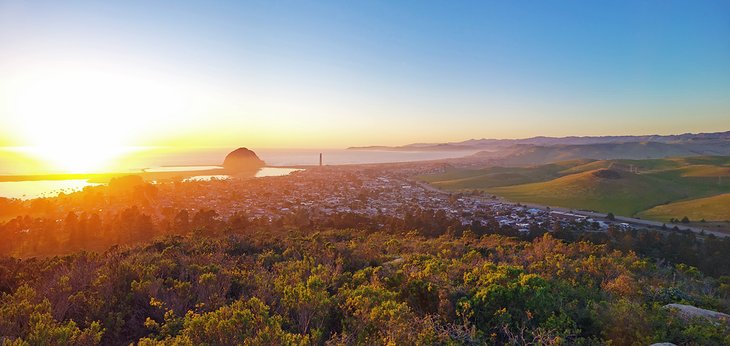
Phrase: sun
[83,119]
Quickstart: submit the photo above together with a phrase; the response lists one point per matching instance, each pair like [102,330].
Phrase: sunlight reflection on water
[41,188]
[51,188]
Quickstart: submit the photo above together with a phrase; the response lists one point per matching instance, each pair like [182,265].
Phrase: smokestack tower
[320,159]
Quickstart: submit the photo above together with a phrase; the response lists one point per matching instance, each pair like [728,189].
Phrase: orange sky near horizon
[80,118]
[83,84]
[113,106]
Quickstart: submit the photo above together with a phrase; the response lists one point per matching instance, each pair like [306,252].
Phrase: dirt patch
[607,174]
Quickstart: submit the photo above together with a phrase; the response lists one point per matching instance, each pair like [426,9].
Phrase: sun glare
[77,159]
[81,120]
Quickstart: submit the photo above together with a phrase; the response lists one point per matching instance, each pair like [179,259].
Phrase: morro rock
[242,160]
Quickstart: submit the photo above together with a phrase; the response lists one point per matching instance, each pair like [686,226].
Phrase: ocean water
[181,168]
[51,188]
[162,159]
[264,172]
[284,157]
[14,162]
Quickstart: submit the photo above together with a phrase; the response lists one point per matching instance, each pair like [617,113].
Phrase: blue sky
[340,73]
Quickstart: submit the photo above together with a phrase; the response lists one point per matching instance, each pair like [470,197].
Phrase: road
[600,216]
[629,220]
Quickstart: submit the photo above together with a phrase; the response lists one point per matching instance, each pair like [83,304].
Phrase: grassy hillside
[706,171]
[704,160]
[465,179]
[715,208]
[647,165]
[640,185]
[625,193]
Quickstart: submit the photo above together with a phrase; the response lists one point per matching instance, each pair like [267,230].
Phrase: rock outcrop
[242,160]
[689,311]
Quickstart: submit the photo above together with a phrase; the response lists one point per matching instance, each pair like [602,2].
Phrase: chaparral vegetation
[353,287]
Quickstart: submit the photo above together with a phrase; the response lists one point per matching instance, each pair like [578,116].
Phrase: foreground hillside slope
[351,287]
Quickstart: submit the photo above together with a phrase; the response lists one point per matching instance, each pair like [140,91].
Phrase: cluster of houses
[365,191]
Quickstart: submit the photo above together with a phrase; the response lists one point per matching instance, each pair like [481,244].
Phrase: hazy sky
[341,73]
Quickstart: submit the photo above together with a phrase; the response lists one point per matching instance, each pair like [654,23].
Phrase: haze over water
[158,158]
[192,159]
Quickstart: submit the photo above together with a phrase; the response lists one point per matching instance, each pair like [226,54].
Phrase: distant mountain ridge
[485,143]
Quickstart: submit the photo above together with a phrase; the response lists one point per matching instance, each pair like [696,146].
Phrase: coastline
[103,178]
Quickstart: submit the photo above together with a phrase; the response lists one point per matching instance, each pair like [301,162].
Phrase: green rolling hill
[625,187]
[603,190]
[464,179]
[714,208]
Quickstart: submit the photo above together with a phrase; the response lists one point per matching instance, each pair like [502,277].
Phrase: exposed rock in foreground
[242,160]
[689,311]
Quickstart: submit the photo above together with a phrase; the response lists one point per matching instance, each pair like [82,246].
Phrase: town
[386,197]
